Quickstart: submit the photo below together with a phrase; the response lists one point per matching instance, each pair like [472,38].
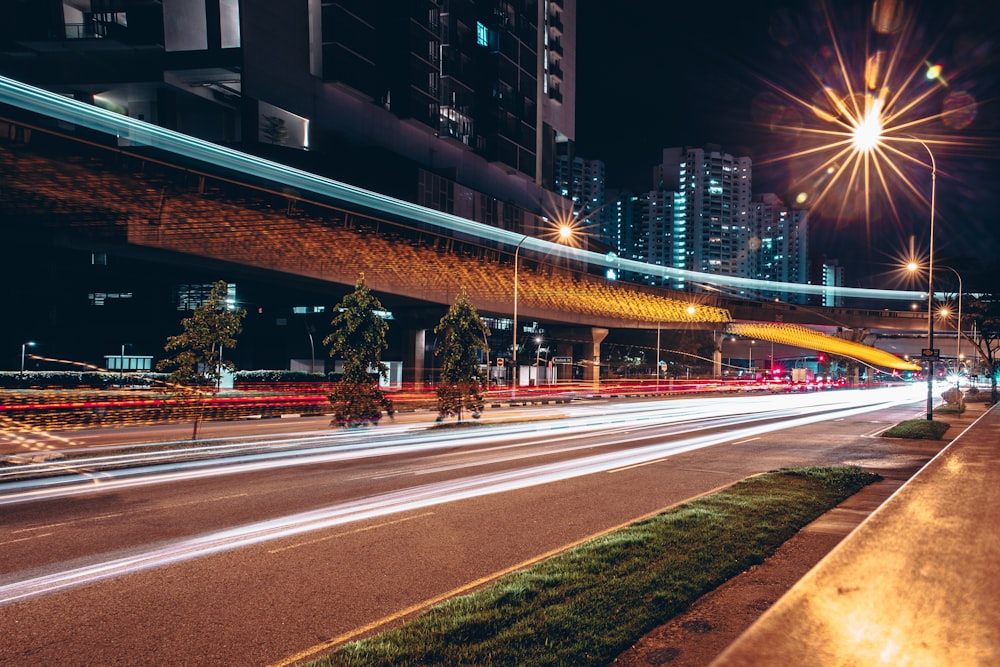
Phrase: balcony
[556,23]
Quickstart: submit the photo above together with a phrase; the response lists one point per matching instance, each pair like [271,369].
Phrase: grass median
[589,604]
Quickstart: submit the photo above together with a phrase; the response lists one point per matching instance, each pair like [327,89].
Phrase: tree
[462,335]
[358,337]
[198,350]
[983,316]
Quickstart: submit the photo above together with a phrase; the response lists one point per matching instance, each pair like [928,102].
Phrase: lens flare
[868,103]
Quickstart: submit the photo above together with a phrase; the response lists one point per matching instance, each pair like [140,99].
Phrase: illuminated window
[229,17]
[190,297]
[482,34]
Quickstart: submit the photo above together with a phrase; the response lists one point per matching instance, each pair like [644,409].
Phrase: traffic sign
[499,362]
[562,360]
[930,353]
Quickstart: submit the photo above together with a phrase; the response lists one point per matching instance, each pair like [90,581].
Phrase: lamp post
[513,325]
[565,232]
[24,345]
[867,138]
[538,360]
[929,356]
[958,325]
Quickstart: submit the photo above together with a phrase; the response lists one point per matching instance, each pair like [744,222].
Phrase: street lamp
[958,324]
[867,138]
[930,286]
[538,360]
[565,233]
[121,365]
[25,344]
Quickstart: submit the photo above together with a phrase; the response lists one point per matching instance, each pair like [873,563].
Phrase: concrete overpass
[240,209]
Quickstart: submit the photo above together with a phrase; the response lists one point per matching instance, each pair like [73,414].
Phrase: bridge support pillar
[592,371]
[717,338]
[415,361]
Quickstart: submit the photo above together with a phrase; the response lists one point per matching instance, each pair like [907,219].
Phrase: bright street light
[29,343]
[867,141]
[946,312]
[930,285]
[565,234]
[958,324]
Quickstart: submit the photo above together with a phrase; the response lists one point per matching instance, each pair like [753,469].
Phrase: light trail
[423,496]
[140,133]
[146,469]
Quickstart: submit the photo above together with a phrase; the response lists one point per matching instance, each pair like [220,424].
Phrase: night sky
[658,74]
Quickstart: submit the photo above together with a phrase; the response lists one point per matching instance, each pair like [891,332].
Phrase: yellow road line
[42,527]
[206,500]
[66,523]
[348,636]
[24,539]
[639,465]
[349,532]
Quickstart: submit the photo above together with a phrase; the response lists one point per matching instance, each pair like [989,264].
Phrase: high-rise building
[455,104]
[582,182]
[709,229]
[778,244]
[701,216]
[829,273]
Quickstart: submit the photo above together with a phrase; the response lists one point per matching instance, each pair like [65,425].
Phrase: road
[257,559]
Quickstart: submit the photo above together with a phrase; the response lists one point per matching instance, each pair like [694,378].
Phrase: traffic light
[821,358]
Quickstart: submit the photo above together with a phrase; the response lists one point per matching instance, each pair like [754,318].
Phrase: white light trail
[148,468]
[138,132]
[427,495]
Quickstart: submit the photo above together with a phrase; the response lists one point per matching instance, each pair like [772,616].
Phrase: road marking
[24,539]
[420,606]
[638,465]
[42,527]
[66,523]
[740,442]
[206,500]
[349,532]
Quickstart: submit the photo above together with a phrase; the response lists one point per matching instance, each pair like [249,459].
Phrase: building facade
[391,96]
[709,229]
[778,244]
[582,182]
[702,216]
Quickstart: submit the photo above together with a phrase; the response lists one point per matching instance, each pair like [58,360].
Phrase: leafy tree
[358,337]
[983,314]
[198,350]
[462,336]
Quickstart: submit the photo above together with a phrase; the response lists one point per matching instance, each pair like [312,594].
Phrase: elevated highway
[163,192]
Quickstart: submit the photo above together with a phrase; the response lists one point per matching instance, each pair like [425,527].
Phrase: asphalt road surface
[280,554]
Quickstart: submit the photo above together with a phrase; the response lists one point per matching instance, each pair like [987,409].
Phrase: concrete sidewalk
[915,584]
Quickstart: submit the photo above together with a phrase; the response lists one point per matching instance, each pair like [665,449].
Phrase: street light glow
[850,124]
[868,130]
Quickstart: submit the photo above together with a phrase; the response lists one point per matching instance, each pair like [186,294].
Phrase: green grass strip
[587,605]
[921,429]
